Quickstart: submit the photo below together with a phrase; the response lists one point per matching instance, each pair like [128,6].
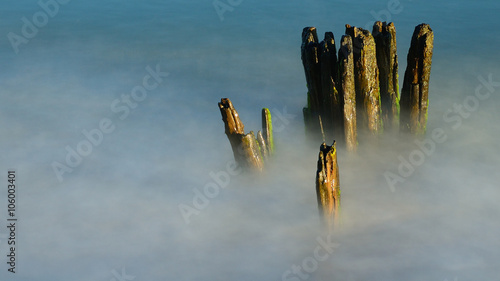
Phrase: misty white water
[74,85]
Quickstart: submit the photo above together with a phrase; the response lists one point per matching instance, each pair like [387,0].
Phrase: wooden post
[267,129]
[327,185]
[250,152]
[331,103]
[348,92]
[245,147]
[264,150]
[415,93]
[321,71]
[309,56]
[366,79]
[387,61]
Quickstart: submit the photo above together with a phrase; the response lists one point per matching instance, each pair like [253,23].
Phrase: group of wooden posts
[356,91]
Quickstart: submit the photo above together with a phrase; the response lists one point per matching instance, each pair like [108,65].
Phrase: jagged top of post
[345,46]
[232,122]
[421,44]
[384,29]
[309,34]
[360,36]
[328,44]
[326,154]
[356,32]
[423,29]
[329,37]
[328,53]
[423,32]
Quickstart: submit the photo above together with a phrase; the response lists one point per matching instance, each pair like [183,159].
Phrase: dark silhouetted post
[331,102]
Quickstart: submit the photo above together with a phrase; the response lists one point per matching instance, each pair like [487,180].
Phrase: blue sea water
[117,212]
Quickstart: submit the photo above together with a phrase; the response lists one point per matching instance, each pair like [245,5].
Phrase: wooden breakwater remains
[352,93]
[250,151]
[357,90]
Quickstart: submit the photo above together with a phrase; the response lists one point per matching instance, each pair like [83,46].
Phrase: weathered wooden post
[245,147]
[321,70]
[387,62]
[359,87]
[330,100]
[366,79]
[327,185]
[267,129]
[310,61]
[415,92]
[264,150]
[348,92]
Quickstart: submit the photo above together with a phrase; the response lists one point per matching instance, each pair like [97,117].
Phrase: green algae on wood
[267,129]
[328,185]
[387,62]
[415,92]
